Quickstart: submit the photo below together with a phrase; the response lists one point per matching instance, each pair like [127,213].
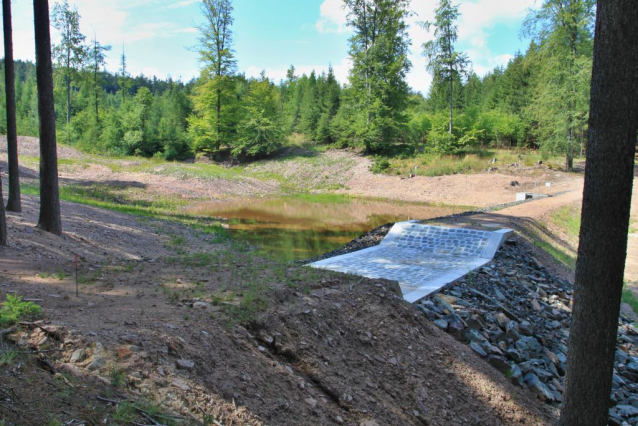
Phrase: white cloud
[183,3]
[418,78]
[333,18]
[477,19]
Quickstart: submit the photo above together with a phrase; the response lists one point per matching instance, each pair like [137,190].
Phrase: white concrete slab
[422,258]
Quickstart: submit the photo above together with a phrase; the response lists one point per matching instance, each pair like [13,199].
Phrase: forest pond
[292,228]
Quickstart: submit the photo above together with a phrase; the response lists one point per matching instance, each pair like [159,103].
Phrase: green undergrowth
[468,162]
[567,218]
[558,254]
[14,310]
[324,198]
[106,197]
[629,298]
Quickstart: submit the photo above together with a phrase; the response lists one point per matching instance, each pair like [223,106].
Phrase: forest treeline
[538,100]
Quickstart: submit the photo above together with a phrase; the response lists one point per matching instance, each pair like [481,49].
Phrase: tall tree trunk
[14,203]
[97,109]
[3,219]
[68,109]
[49,193]
[218,110]
[613,123]
[569,157]
[451,88]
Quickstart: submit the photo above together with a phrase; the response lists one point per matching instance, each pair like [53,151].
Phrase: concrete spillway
[422,258]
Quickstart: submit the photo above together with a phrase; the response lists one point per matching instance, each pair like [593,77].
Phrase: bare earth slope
[333,350]
[210,332]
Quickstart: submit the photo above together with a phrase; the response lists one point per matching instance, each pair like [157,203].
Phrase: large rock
[499,363]
[528,344]
[539,388]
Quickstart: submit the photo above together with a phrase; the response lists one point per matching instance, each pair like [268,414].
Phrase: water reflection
[291,228]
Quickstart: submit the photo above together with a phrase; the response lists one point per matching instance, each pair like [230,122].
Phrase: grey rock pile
[516,315]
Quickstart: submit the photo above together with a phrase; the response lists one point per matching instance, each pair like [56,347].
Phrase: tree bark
[49,193]
[451,90]
[3,219]
[613,124]
[569,157]
[13,203]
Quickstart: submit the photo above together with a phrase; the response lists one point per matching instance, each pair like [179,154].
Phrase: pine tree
[609,176]
[261,129]
[3,218]
[13,203]
[215,90]
[563,30]
[444,62]
[49,192]
[71,53]
[98,60]
[379,49]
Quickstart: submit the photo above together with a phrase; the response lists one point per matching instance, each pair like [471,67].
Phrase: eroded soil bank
[204,329]
[217,333]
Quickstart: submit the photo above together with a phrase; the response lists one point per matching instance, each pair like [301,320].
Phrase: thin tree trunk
[451,88]
[49,192]
[3,219]
[14,203]
[613,124]
[97,110]
[218,110]
[569,157]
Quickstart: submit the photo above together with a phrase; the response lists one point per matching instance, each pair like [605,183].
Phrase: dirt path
[480,190]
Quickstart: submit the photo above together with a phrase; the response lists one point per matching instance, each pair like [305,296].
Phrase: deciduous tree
[613,125]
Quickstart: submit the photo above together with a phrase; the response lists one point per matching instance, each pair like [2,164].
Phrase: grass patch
[118,377]
[629,298]
[469,162]
[326,198]
[195,259]
[7,356]
[139,412]
[59,274]
[106,197]
[558,255]
[14,310]
[567,218]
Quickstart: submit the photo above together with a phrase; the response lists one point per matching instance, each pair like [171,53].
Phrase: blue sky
[160,36]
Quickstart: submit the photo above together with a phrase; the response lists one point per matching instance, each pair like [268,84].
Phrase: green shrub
[380,165]
[15,310]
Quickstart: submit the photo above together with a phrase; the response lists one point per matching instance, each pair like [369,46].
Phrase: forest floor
[176,325]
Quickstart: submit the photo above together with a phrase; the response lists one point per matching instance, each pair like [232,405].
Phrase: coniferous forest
[538,100]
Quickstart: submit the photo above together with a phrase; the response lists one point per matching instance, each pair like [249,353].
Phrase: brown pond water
[292,228]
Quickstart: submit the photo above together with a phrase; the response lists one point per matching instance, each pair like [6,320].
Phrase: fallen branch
[7,331]
[148,417]
[110,401]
